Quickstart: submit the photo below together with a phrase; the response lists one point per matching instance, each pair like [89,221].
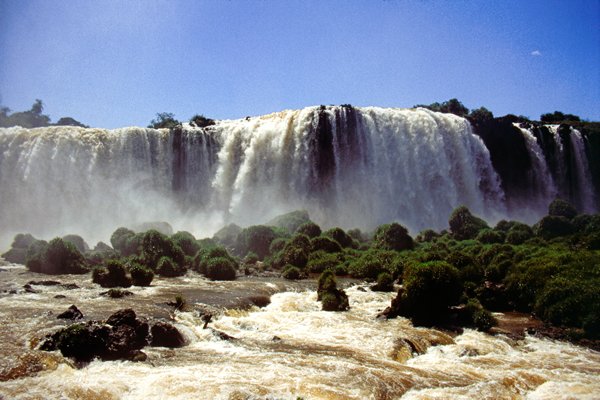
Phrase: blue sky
[118,63]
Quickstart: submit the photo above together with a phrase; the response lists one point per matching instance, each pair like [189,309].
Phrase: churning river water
[287,350]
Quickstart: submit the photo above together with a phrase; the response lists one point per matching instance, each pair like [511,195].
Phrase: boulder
[166,335]
[120,338]
[72,313]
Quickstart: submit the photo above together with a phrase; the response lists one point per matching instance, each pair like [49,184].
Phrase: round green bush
[291,272]
[392,237]
[326,244]
[385,283]
[341,237]
[186,242]
[56,257]
[465,225]
[552,226]
[220,269]
[112,274]
[430,288]
[169,268]
[562,208]
[489,236]
[140,276]
[309,229]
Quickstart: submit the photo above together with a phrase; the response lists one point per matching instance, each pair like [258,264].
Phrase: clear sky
[118,63]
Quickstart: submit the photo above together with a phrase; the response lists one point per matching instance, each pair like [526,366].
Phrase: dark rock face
[121,338]
[72,313]
[166,335]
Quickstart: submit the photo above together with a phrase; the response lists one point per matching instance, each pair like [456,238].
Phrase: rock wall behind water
[353,167]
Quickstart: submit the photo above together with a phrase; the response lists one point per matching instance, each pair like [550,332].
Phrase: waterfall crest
[352,167]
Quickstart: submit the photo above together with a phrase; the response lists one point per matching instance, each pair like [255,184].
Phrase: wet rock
[122,317]
[44,283]
[469,352]
[121,337]
[206,318]
[70,286]
[29,289]
[276,339]
[72,313]
[60,296]
[222,335]
[138,356]
[166,335]
[260,301]
[116,293]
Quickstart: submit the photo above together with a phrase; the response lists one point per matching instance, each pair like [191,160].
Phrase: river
[286,350]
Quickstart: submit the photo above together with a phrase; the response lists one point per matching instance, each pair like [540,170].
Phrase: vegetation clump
[392,237]
[56,257]
[332,298]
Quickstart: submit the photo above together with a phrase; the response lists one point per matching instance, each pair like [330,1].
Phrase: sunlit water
[286,350]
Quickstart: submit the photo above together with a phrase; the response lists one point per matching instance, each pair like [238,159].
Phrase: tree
[558,116]
[465,225]
[392,237]
[164,120]
[481,114]
[68,121]
[201,121]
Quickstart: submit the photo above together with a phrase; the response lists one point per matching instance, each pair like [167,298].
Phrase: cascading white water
[582,173]
[351,167]
[542,188]
[286,350]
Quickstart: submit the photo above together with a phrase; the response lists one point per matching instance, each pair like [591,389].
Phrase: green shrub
[295,256]
[341,237]
[326,244]
[56,257]
[291,272]
[155,245]
[392,237]
[562,208]
[553,226]
[251,258]
[429,289]
[227,236]
[168,268]
[320,261]
[477,316]
[112,274]
[277,245]
[121,241]
[78,242]
[332,298]
[256,239]
[489,236]
[186,242]
[465,225]
[427,235]
[140,275]
[200,263]
[517,237]
[373,262]
[309,229]
[291,221]
[220,269]
[567,301]
[385,283]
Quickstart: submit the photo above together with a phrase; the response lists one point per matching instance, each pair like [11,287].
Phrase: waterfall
[347,166]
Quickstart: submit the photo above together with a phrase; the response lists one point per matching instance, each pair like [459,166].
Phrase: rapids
[287,350]
[347,166]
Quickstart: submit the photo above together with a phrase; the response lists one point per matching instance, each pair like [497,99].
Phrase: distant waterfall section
[348,166]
